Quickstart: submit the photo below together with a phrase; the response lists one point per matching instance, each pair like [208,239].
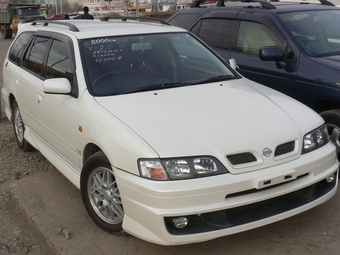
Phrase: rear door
[27,80]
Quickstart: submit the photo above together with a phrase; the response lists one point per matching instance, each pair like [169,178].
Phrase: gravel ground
[16,234]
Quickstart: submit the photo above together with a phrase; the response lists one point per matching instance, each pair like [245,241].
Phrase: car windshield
[129,64]
[29,11]
[317,31]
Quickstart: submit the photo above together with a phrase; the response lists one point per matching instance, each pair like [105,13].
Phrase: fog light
[330,178]
[180,222]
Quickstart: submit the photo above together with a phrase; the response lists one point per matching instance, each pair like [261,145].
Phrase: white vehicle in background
[73,15]
[163,138]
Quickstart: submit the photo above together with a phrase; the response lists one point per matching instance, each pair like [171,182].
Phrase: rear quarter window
[19,46]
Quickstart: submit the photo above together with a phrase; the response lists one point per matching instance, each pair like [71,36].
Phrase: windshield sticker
[105,50]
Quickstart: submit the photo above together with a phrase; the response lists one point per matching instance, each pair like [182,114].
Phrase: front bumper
[225,204]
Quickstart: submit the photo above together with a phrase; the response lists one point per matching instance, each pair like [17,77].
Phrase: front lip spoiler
[234,217]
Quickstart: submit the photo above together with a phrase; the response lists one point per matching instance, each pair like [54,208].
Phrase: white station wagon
[163,138]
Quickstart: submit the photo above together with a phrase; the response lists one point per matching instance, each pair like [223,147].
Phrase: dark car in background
[289,46]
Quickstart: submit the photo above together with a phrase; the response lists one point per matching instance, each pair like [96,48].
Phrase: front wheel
[100,193]
[332,120]
[19,129]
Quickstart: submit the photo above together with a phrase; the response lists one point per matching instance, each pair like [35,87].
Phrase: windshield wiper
[217,78]
[156,87]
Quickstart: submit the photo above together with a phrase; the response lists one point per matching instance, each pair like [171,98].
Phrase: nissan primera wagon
[164,139]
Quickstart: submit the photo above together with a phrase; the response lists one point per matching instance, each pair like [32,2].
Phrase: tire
[332,120]
[100,194]
[6,33]
[3,32]
[19,129]
[9,33]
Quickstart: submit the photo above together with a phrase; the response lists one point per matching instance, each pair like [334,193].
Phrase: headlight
[180,168]
[315,139]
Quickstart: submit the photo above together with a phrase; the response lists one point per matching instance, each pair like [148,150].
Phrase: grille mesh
[248,157]
[284,148]
[241,158]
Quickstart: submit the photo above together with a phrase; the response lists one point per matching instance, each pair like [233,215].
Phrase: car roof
[98,28]
[278,7]
[187,17]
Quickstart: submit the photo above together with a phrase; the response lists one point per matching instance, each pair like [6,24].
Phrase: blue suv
[289,46]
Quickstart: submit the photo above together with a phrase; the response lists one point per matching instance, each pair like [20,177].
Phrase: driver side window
[58,62]
[252,36]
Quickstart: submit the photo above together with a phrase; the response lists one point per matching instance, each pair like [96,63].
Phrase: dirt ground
[17,236]
[316,231]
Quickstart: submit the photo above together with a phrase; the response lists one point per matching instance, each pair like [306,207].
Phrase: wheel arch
[11,101]
[89,150]
[322,106]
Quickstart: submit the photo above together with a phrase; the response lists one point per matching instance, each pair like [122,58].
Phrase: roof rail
[220,3]
[266,5]
[136,18]
[45,23]
[325,2]
[196,3]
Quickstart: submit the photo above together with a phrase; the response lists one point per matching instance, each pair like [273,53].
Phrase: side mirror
[232,63]
[57,86]
[272,53]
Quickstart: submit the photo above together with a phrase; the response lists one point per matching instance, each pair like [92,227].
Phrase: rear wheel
[19,129]
[6,34]
[100,193]
[3,32]
[9,33]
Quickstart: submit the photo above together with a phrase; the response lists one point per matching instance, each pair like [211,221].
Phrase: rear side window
[215,32]
[18,47]
[35,56]
[182,20]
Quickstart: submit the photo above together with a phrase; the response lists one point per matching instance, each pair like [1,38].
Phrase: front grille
[238,159]
[284,148]
[241,158]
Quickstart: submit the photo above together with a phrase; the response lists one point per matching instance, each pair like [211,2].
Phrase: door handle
[41,95]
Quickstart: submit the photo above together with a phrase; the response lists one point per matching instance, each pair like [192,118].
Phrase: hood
[325,72]
[213,119]
[333,61]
